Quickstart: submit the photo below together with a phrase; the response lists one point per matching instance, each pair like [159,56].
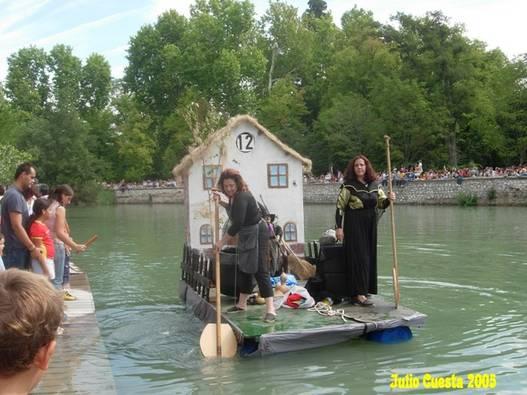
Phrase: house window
[211,173]
[277,175]
[205,234]
[290,232]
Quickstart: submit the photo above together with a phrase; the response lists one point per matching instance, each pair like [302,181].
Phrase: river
[466,268]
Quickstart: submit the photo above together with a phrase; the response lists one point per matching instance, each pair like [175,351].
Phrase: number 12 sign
[245,142]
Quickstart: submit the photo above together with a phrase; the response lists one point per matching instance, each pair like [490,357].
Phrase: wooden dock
[80,364]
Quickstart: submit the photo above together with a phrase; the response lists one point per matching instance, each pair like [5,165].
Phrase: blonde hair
[31,310]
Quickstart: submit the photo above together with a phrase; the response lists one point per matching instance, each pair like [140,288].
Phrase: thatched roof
[197,153]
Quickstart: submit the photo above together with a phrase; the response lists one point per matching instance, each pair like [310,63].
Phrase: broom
[299,267]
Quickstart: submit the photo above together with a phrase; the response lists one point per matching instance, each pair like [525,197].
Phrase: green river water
[465,268]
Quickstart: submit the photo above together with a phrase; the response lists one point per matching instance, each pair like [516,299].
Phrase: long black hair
[39,206]
[349,173]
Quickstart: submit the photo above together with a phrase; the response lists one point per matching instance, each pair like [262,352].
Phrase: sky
[105,26]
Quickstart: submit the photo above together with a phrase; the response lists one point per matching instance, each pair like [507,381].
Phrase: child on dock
[30,313]
[41,236]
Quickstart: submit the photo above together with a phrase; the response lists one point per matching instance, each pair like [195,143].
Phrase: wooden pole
[218,274]
[218,339]
[90,240]
[395,266]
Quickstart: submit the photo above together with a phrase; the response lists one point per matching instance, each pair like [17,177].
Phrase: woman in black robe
[356,222]
[253,240]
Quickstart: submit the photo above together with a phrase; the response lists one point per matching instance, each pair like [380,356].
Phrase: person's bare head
[31,310]
[25,175]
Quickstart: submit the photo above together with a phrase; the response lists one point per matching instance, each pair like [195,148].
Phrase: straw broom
[299,267]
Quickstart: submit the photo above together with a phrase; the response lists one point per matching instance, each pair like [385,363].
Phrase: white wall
[201,209]
[286,203]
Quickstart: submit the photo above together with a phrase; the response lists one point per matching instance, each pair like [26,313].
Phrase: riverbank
[498,191]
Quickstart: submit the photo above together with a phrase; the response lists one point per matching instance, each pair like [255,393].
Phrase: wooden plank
[80,363]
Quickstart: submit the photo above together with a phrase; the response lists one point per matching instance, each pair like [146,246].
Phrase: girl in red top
[41,236]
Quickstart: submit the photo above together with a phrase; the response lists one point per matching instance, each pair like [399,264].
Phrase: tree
[66,71]
[223,59]
[10,120]
[282,112]
[48,94]
[27,84]
[95,84]
[358,26]
[11,158]
[95,89]
[347,127]
[288,43]
[58,145]
[135,147]
[214,54]
[507,80]
[325,45]
[408,119]
[317,8]
[449,67]
[155,64]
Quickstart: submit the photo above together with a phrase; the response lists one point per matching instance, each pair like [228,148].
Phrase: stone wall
[506,192]
[150,196]
[489,191]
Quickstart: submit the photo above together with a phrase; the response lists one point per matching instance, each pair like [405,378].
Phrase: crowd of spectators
[414,173]
[465,172]
[147,184]
[399,175]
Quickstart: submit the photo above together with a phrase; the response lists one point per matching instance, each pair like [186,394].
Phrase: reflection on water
[465,268]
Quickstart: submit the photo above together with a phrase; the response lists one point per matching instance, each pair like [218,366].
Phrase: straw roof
[198,153]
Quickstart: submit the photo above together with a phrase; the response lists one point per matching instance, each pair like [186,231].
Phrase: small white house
[273,171]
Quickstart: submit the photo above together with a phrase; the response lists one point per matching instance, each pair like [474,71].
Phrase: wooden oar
[395,266]
[218,339]
[88,242]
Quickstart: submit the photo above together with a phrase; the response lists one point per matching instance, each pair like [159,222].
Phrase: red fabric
[294,300]
[38,229]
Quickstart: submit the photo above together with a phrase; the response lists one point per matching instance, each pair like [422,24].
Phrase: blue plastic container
[391,335]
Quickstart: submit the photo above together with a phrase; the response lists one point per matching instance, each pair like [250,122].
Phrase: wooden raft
[80,363]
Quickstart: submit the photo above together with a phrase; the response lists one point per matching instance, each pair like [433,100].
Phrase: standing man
[14,216]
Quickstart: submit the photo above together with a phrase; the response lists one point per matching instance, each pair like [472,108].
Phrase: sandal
[234,309]
[365,303]
[269,317]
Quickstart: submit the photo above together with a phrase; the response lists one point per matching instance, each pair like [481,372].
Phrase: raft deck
[80,363]
[299,329]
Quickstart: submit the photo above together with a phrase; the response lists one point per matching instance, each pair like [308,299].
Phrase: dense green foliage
[467,199]
[330,92]
[11,158]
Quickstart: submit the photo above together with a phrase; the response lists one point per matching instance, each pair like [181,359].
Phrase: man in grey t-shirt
[14,216]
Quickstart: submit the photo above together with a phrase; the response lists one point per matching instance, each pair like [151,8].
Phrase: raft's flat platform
[298,329]
[80,364]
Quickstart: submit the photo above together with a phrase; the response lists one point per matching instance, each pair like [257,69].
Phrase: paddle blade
[207,341]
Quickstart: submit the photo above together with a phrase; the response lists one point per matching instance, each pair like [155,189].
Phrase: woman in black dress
[356,219]
[253,240]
